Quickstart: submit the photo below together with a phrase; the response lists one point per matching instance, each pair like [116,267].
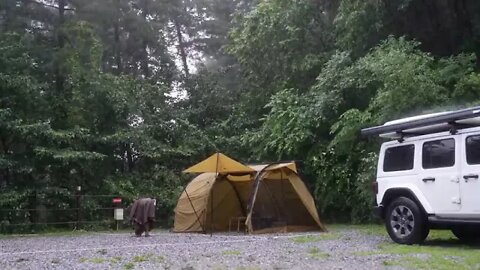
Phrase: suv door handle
[470,176]
[428,179]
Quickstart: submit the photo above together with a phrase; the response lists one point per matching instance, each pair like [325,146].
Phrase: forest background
[119,96]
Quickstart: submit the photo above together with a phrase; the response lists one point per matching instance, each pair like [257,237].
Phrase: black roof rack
[448,118]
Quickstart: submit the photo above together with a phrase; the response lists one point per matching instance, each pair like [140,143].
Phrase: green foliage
[358,24]
[92,96]
[285,128]
[395,79]
[281,41]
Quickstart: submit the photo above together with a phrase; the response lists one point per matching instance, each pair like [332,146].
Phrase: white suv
[428,177]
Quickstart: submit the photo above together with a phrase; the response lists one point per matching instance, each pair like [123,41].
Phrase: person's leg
[138,229]
[148,226]
[147,229]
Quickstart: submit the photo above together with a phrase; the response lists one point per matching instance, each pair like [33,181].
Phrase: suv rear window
[473,149]
[438,154]
[399,158]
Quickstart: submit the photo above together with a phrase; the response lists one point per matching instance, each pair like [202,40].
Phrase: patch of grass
[231,252]
[158,259]
[388,263]
[457,257]
[441,235]
[54,233]
[148,257]
[97,260]
[248,268]
[129,266]
[315,253]
[93,260]
[302,239]
[441,250]
[141,258]
[379,230]
[116,259]
[369,229]
[62,232]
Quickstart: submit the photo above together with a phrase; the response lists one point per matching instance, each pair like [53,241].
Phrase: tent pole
[253,196]
[211,197]
[195,211]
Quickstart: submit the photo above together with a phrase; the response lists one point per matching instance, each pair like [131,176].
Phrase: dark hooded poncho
[142,210]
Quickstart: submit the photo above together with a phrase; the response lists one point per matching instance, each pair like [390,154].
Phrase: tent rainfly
[262,198]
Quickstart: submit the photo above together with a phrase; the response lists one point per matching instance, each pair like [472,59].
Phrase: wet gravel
[341,249]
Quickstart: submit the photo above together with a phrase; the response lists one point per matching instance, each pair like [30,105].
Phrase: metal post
[77,197]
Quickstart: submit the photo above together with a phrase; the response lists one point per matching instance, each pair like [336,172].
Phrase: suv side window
[438,154]
[399,158]
[472,146]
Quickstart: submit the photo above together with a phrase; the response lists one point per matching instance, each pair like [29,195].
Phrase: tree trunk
[145,69]
[8,17]
[59,78]
[144,61]
[129,157]
[116,33]
[4,174]
[181,47]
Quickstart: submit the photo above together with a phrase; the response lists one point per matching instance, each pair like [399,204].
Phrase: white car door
[439,176]
[469,181]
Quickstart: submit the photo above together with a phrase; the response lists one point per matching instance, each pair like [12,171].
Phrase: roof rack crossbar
[448,118]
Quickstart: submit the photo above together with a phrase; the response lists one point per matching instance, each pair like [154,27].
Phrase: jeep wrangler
[428,175]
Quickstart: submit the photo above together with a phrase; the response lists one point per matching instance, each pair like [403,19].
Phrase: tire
[467,234]
[405,222]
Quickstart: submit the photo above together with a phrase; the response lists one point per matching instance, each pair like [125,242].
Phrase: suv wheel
[405,222]
[467,234]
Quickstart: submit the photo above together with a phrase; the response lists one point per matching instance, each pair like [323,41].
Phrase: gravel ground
[341,249]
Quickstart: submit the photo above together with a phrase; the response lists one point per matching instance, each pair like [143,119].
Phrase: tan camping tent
[271,199]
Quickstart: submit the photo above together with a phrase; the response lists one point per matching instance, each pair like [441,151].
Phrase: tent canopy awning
[219,163]
[289,165]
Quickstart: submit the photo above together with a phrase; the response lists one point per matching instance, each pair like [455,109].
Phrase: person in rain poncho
[142,215]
